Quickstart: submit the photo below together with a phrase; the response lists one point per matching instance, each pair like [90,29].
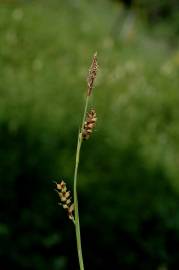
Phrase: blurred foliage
[162,15]
[154,9]
[128,182]
[158,9]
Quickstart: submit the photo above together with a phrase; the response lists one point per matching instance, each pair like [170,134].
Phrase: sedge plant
[85,131]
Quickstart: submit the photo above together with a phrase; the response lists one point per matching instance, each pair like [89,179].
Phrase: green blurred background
[128,179]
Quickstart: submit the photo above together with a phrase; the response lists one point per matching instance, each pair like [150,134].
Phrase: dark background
[128,176]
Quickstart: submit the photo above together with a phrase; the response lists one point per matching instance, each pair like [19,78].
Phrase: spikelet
[65,199]
[92,74]
[89,124]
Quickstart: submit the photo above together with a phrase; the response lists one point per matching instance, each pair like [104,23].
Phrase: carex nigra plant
[85,131]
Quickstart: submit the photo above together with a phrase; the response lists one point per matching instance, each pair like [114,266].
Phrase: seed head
[92,74]
[89,124]
[65,199]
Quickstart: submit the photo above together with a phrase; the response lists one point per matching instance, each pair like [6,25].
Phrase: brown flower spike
[92,74]
[89,124]
[65,199]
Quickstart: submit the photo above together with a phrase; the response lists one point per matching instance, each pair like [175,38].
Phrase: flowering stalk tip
[92,74]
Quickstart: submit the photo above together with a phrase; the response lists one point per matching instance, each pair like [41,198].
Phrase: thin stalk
[85,110]
[77,222]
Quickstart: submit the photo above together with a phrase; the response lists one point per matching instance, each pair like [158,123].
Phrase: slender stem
[77,222]
[85,110]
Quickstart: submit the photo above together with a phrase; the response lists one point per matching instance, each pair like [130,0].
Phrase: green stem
[77,222]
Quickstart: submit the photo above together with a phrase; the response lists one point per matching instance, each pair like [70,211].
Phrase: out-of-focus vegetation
[128,182]
[162,16]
